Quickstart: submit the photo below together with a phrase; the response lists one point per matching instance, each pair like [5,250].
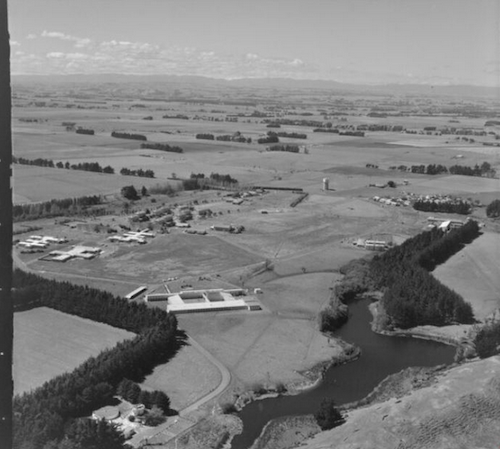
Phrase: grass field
[48,343]
[185,378]
[268,347]
[33,184]
[474,273]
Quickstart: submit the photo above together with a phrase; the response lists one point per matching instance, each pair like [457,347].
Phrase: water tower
[326,184]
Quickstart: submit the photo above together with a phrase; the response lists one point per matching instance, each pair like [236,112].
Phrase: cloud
[14,43]
[31,36]
[79,41]
[121,56]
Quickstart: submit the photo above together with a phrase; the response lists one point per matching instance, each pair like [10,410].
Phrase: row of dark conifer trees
[43,416]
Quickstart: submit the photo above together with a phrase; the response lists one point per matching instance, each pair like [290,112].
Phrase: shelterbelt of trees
[50,416]
[55,208]
[85,166]
[411,295]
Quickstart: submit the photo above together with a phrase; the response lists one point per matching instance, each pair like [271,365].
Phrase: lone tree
[328,416]
[129,193]
[493,209]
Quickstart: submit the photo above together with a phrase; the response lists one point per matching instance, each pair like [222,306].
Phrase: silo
[326,183]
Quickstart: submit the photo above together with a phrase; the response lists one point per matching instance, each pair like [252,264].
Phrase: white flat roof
[207,306]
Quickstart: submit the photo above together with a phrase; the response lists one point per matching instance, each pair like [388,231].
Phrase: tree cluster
[205,136]
[41,416]
[90,132]
[237,137]
[282,147]
[328,416]
[450,207]
[326,130]
[292,135]
[412,296]
[53,208]
[493,209]
[487,340]
[268,139]
[295,122]
[129,193]
[440,250]
[352,133]
[123,135]
[132,392]
[162,147]
[483,170]
[200,181]
[139,172]
[85,166]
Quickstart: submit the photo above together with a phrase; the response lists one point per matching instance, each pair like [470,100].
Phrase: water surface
[381,355]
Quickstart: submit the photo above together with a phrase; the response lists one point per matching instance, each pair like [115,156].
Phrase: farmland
[292,253]
[474,273]
[48,343]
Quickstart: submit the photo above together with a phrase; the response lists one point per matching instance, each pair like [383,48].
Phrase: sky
[436,42]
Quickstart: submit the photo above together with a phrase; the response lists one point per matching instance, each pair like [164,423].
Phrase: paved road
[225,381]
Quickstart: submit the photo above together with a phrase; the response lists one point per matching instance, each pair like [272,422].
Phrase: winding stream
[381,356]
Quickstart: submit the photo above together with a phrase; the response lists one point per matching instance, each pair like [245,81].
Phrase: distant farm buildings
[444,224]
[39,241]
[135,293]
[133,237]
[209,300]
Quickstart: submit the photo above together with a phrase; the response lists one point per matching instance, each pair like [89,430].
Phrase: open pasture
[33,184]
[186,378]
[474,273]
[175,254]
[48,343]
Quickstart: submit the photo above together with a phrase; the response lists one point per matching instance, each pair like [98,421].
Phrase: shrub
[328,416]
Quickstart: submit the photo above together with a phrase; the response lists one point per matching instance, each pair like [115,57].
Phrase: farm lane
[167,428]
[225,378]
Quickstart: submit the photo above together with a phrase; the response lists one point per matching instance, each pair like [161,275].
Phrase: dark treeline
[199,181]
[484,169]
[132,392]
[287,148]
[41,416]
[139,172]
[122,135]
[411,295]
[39,162]
[439,251]
[90,132]
[85,166]
[294,122]
[269,139]
[86,302]
[352,133]
[237,137]
[205,136]
[292,135]
[162,147]
[326,130]
[456,207]
[55,208]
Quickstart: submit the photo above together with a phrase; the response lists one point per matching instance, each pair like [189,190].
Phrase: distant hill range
[261,83]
